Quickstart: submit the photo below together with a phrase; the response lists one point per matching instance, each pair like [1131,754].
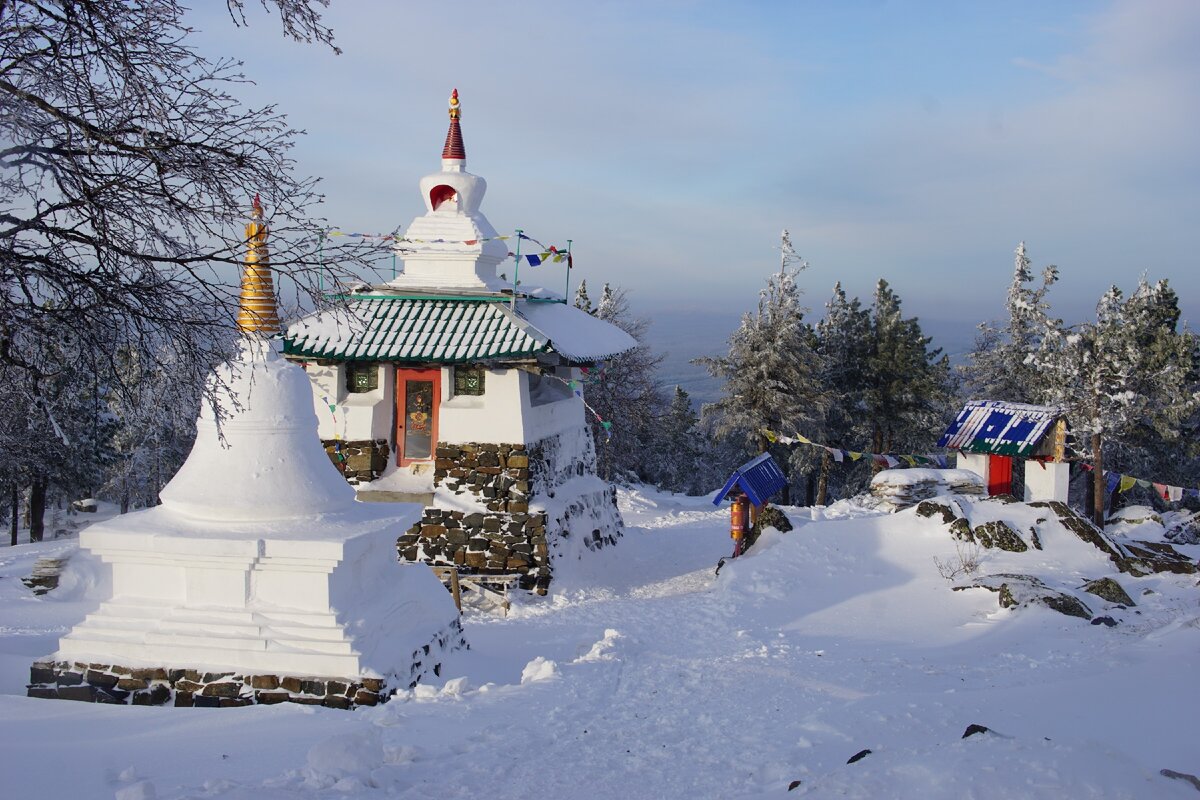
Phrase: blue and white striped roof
[992,426]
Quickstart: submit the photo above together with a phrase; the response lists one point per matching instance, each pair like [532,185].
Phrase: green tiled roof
[414,329]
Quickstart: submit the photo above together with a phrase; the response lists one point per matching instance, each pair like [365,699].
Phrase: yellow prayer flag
[1127,483]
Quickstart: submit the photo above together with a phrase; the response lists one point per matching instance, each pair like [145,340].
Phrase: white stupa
[460,249]
[260,577]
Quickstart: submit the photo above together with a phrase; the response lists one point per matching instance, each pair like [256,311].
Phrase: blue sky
[672,141]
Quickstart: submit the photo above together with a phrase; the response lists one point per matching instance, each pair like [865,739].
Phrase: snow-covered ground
[643,674]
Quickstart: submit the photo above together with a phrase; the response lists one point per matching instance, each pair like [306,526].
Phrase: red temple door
[999,475]
[418,395]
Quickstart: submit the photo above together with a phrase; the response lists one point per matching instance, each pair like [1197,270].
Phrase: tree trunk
[37,510]
[16,504]
[876,447]
[1099,484]
[1089,491]
[823,480]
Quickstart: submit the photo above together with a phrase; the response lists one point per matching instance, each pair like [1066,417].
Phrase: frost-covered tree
[682,460]
[582,301]
[772,373]
[126,170]
[1128,382]
[907,386]
[1001,363]
[626,394]
[845,343]
[150,437]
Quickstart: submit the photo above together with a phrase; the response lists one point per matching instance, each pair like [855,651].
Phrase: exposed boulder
[1131,556]
[1000,535]
[928,508]
[1025,590]
[771,517]
[1108,589]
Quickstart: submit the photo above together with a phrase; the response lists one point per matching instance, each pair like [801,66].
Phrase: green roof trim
[419,329]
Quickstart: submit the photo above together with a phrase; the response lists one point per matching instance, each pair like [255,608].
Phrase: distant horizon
[673,142]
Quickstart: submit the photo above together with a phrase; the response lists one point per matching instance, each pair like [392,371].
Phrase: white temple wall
[541,419]
[359,416]
[1047,481]
[494,416]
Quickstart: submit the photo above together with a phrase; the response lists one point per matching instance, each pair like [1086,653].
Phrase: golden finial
[455,113]
[256,310]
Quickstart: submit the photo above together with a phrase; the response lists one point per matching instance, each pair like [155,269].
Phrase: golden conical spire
[256,312]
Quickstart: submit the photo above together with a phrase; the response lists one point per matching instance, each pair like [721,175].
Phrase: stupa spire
[256,311]
[454,144]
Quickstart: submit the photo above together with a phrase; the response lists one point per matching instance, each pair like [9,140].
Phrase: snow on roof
[576,334]
[453,329]
[759,478]
[992,426]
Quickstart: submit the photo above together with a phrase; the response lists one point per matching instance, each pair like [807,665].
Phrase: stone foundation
[513,485]
[115,684]
[482,543]
[359,461]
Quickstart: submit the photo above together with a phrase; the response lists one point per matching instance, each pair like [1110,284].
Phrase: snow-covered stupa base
[230,614]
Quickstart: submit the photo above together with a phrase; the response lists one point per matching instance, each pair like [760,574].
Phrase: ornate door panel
[418,395]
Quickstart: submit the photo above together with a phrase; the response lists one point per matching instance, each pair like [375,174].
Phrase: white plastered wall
[1046,481]
[361,416]
[979,463]
[505,413]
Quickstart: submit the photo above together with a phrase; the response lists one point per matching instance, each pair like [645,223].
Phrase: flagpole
[567,291]
[512,305]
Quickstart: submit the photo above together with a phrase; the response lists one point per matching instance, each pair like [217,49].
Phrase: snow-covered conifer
[772,372]
[1001,361]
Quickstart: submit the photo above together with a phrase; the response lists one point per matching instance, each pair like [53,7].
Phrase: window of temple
[469,381]
[361,377]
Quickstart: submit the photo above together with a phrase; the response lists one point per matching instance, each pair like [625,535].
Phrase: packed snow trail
[643,675]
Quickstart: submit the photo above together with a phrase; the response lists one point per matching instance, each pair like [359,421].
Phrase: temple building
[260,578]
[466,391]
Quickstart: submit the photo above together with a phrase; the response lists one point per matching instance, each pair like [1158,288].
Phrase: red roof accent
[454,143]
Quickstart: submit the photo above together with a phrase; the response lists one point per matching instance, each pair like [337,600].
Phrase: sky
[673,141]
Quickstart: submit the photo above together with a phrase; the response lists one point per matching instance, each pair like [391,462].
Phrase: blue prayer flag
[534,260]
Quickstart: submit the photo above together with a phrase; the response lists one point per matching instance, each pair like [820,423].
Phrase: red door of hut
[999,475]
[418,395]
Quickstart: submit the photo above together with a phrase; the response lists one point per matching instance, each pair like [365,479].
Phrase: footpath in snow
[643,674]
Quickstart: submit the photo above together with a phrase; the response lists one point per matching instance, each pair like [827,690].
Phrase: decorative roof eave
[453,330]
[1000,428]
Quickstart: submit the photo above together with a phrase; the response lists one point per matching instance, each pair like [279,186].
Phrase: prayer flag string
[888,460]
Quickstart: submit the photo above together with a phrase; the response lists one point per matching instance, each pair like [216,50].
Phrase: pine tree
[1001,362]
[582,301]
[1128,383]
[772,371]
[626,394]
[679,451]
[907,387]
[844,342]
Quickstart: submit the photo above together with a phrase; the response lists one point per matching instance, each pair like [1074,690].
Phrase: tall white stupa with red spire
[459,249]
[260,578]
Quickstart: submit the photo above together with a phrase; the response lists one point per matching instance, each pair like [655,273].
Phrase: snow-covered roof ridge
[576,334]
[1000,427]
[454,328]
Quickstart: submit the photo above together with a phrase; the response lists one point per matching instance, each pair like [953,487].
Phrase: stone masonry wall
[505,536]
[115,684]
[359,461]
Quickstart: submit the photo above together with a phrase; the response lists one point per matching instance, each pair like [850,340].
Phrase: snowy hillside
[643,674]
